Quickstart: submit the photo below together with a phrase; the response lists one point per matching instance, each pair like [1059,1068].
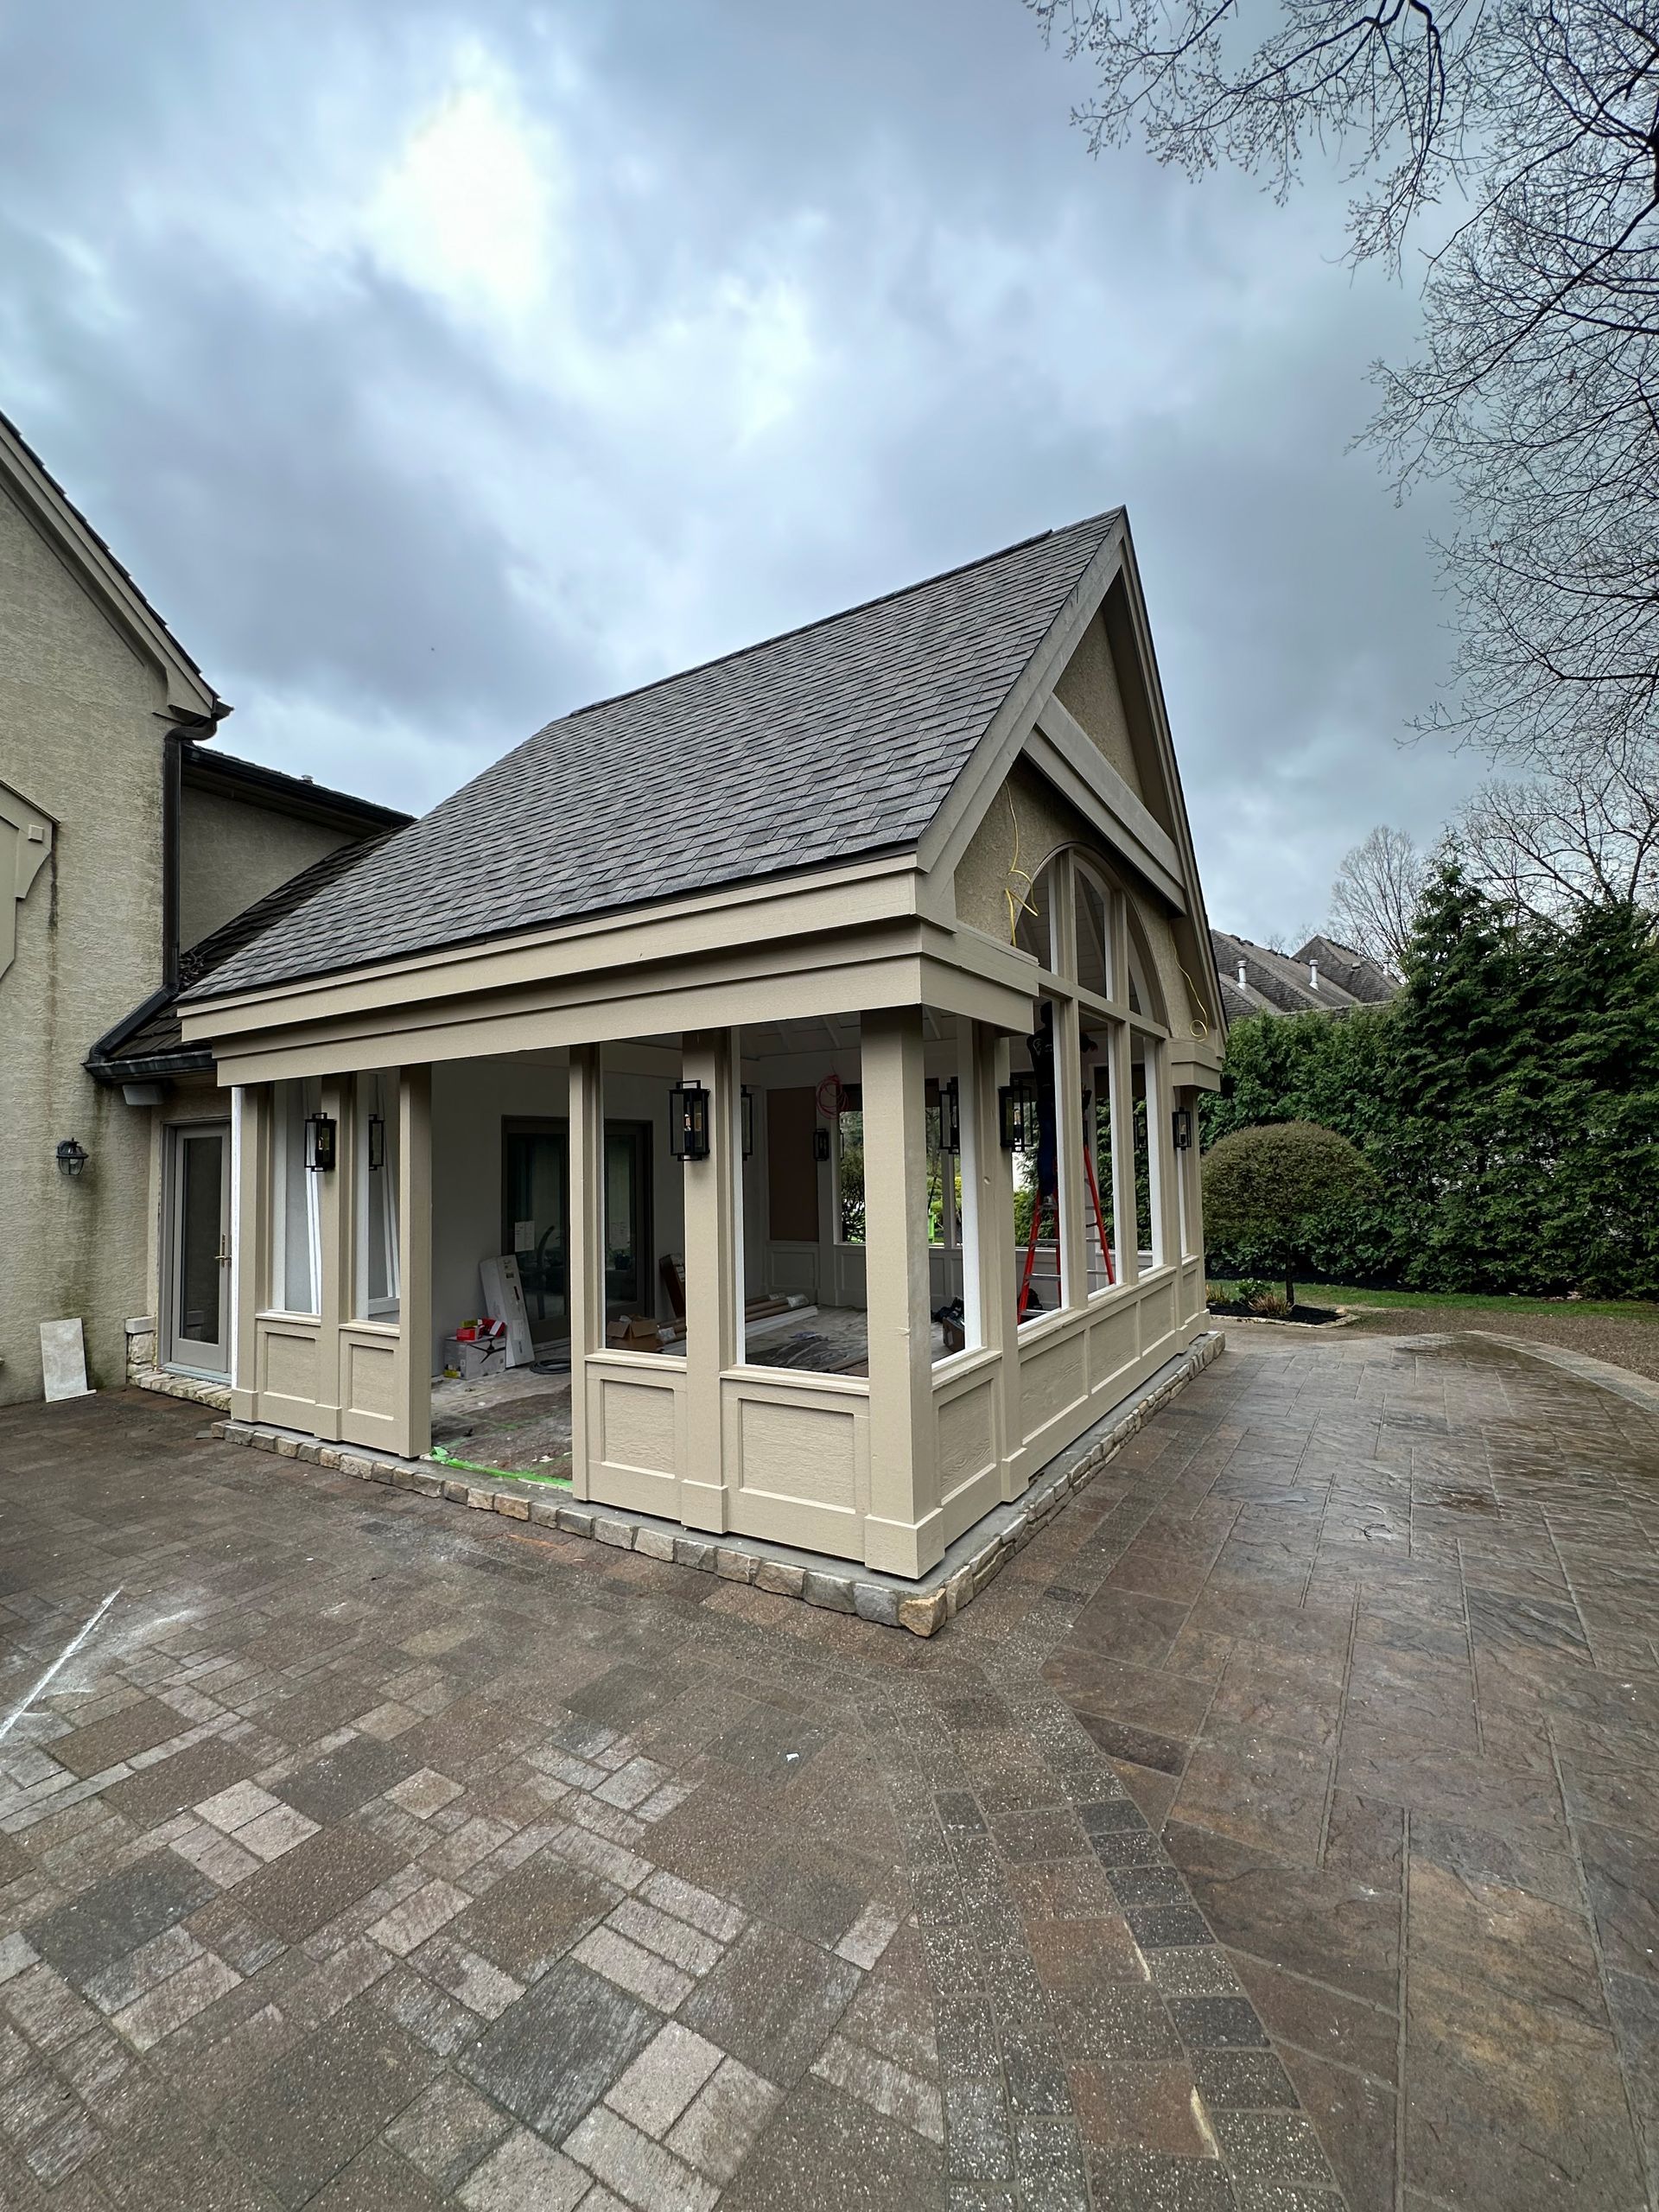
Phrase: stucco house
[127,843]
[866,967]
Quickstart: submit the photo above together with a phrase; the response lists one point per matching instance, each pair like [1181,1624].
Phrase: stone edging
[188,1387]
[973,1562]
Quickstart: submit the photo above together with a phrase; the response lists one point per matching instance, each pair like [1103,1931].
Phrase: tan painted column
[713,1277]
[1161,1154]
[904,1530]
[1000,1259]
[585,1245]
[414,1358]
[251,1231]
[335,1198]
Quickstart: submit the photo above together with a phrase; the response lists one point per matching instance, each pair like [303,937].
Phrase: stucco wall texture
[81,735]
[231,851]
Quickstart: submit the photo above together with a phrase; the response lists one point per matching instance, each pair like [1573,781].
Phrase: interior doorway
[197,1323]
[534,1210]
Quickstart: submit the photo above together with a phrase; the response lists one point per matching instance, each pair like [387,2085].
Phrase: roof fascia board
[633,996]
[335,810]
[130,1024]
[947,836]
[54,515]
[1143,845]
[905,978]
[1194,928]
[758,912]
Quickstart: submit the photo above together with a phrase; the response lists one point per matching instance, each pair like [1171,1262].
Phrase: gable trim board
[191,701]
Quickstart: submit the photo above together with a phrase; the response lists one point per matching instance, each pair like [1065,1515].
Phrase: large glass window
[1150,1131]
[849,1101]
[377,1196]
[1094,947]
[296,1256]
[1037,1174]
[1100,1229]
[953,1252]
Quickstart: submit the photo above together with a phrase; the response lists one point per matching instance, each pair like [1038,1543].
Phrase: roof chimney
[1314,973]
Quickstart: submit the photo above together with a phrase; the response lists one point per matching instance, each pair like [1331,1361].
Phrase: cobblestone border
[191,1388]
[974,1562]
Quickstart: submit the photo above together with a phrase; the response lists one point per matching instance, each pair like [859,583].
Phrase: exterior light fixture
[747,1104]
[377,1141]
[688,1121]
[949,1117]
[1017,1114]
[820,1144]
[1181,1124]
[72,1157]
[320,1133]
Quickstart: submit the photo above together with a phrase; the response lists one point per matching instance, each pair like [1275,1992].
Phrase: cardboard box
[635,1332]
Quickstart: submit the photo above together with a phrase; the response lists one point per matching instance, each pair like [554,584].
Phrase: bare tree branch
[1374,899]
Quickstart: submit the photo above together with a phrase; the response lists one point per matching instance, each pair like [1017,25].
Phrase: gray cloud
[435,369]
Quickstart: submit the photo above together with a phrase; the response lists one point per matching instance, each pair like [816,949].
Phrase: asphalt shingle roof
[834,741]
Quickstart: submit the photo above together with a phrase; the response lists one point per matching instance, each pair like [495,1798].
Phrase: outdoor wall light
[747,1102]
[320,1133]
[1016,1103]
[1181,1123]
[377,1141]
[72,1157]
[949,1117]
[820,1144]
[688,1121]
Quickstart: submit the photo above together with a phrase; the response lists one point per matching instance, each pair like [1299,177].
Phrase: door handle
[224,1253]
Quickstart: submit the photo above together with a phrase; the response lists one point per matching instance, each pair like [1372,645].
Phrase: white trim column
[713,1277]
[584,1244]
[413,1367]
[903,1528]
[251,1236]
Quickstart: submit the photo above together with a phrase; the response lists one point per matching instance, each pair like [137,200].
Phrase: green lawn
[1330,1293]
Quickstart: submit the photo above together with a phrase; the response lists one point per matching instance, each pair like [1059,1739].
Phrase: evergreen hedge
[1508,1102]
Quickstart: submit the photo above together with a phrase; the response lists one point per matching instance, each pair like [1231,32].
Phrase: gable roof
[230,777]
[1280,982]
[150,1041]
[828,744]
[39,493]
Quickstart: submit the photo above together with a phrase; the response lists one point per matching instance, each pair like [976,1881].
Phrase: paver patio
[1281,1831]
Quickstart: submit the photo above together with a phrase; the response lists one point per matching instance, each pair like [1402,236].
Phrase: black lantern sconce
[1181,1125]
[321,1131]
[1017,1114]
[820,1144]
[949,1117]
[746,1101]
[377,1141]
[72,1157]
[688,1121]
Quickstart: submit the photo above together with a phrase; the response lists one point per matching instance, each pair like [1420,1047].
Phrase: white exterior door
[198,1320]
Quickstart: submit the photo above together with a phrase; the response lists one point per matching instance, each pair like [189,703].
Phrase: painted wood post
[584,1246]
[335,1201]
[713,1277]
[904,1529]
[250,1230]
[413,1366]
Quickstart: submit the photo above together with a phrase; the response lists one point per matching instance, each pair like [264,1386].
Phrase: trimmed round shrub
[1267,1189]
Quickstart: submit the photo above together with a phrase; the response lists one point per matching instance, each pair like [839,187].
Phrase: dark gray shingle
[833,742]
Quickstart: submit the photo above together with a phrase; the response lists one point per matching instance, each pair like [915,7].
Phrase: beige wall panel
[791,1171]
[790,1268]
[1088,689]
[1194,1300]
[636,1436]
[287,1369]
[970,1472]
[232,852]
[81,740]
[370,1377]
[1053,1381]
[799,1463]
[1114,1346]
[1158,1314]
[636,1426]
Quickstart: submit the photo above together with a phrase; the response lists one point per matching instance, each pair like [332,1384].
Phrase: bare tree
[1374,899]
[1523,136]
[1582,836]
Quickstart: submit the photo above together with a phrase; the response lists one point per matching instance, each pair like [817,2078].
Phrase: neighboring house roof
[829,744]
[149,1042]
[22,471]
[1322,977]
[299,795]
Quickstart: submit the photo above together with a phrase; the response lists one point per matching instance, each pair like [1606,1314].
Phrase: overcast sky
[438,368]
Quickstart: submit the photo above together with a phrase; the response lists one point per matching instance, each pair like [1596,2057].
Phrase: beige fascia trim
[948,835]
[709,923]
[1062,751]
[905,976]
[188,692]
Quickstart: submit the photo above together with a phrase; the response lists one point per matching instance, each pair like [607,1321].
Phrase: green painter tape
[502,1474]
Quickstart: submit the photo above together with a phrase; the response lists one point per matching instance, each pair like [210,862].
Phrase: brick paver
[1281,1830]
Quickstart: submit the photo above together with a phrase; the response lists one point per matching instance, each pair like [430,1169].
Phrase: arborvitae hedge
[1508,1102]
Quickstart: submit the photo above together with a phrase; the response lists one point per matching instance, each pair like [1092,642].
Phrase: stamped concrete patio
[1281,1830]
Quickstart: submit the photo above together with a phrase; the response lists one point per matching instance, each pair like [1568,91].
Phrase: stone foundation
[972,1562]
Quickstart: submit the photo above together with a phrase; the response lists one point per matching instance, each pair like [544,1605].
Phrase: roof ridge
[826,622]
